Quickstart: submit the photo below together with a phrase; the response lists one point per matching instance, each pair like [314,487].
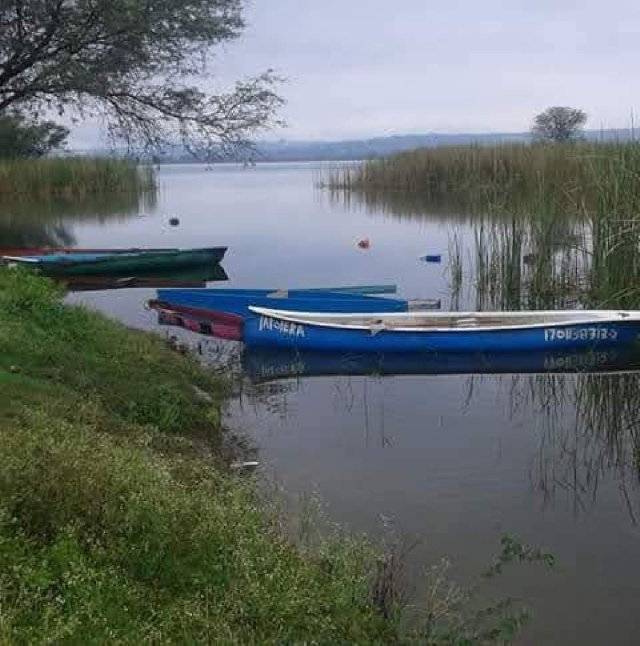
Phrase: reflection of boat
[268,365]
[210,302]
[118,263]
[194,277]
[442,331]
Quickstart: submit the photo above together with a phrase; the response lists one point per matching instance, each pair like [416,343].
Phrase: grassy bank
[121,521]
[72,178]
[118,519]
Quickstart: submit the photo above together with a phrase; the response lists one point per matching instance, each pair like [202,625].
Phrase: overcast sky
[360,68]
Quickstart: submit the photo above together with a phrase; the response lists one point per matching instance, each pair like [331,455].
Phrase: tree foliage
[20,138]
[134,63]
[559,124]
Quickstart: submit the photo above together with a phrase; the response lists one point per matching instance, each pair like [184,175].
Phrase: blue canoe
[237,302]
[264,365]
[442,331]
[348,291]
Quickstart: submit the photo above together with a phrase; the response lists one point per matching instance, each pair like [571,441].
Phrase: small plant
[450,614]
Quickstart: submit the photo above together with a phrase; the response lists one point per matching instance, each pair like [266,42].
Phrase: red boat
[197,313]
[224,327]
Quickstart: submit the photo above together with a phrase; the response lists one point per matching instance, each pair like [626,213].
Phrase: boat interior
[456,320]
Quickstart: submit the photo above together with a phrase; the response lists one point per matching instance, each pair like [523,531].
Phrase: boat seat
[376,327]
[468,322]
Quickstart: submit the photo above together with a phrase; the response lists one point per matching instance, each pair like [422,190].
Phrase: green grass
[69,179]
[118,519]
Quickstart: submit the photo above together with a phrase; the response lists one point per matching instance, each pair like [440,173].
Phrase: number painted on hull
[284,327]
[581,334]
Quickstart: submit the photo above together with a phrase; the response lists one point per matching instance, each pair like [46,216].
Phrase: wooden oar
[354,289]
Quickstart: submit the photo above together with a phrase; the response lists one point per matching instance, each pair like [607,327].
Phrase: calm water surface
[456,461]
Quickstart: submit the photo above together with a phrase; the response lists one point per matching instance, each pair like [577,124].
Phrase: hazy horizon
[360,69]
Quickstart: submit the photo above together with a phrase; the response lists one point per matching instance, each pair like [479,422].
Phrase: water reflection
[193,277]
[584,403]
[588,430]
[536,254]
[402,206]
[583,407]
[266,365]
[49,223]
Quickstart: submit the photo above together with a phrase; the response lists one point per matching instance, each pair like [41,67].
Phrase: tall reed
[569,178]
[553,225]
[72,178]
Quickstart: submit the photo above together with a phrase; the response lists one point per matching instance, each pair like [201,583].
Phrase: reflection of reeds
[45,222]
[552,227]
[589,431]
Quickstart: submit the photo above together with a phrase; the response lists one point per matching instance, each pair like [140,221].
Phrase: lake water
[454,461]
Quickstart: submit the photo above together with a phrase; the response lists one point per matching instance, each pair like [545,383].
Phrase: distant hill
[357,149]
[375,147]
[384,146]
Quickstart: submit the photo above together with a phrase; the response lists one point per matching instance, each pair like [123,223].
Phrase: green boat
[80,264]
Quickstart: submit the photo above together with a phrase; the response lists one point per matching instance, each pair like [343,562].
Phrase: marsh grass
[569,177]
[69,179]
[455,266]
[553,224]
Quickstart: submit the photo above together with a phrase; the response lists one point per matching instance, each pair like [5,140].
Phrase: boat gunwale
[72,260]
[334,321]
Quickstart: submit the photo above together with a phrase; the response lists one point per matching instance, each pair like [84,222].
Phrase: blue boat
[237,302]
[349,291]
[441,331]
[264,365]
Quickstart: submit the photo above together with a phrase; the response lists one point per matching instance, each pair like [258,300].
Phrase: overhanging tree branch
[126,59]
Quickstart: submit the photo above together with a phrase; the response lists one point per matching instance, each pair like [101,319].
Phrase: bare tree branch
[127,60]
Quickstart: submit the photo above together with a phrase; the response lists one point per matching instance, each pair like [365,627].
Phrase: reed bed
[544,227]
[72,178]
[552,225]
[568,178]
